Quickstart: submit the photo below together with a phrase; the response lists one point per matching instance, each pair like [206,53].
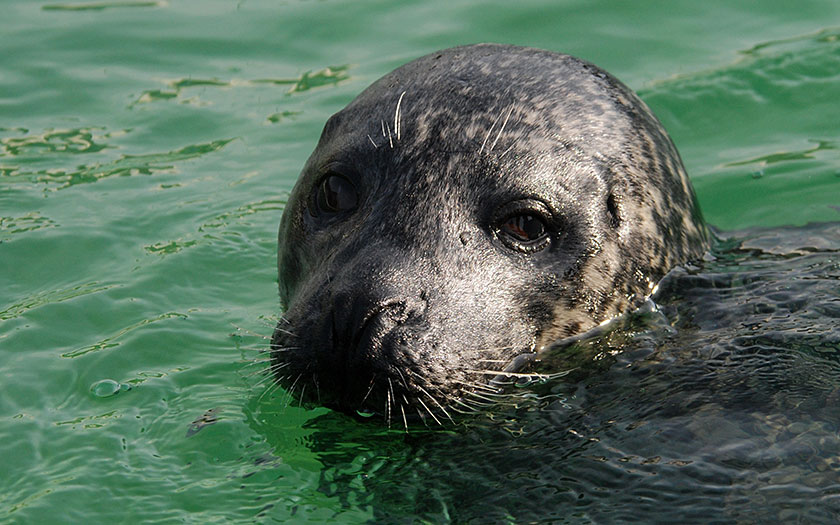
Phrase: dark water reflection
[721,407]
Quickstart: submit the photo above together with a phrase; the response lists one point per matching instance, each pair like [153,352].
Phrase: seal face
[470,207]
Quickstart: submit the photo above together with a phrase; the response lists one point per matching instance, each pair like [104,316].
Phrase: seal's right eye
[336,194]
[524,228]
[526,225]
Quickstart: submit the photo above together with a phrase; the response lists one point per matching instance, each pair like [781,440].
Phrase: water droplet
[105,388]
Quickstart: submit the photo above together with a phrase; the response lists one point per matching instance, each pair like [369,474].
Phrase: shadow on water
[722,405]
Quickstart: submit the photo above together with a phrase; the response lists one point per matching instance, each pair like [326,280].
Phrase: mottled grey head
[476,204]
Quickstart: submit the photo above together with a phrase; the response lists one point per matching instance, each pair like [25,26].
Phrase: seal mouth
[389,387]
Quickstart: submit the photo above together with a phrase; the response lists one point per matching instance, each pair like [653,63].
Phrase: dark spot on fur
[612,208]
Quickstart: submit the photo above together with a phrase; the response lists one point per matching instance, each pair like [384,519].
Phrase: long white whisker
[507,150]
[480,386]
[435,401]
[397,116]
[402,409]
[250,332]
[430,412]
[281,330]
[489,131]
[502,128]
[370,388]
[292,389]
[300,397]
[388,405]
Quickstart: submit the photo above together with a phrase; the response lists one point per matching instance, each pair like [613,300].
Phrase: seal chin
[463,211]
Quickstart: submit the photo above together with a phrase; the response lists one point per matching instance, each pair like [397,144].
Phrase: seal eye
[524,228]
[336,194]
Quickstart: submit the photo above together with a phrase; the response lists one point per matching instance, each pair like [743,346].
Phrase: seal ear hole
[613,209]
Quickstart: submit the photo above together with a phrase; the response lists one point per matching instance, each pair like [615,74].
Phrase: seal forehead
[480,99]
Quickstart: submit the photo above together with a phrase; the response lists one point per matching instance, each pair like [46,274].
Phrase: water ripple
[110,341]
[176,89]
[51,297]
[125,165]
[100,6]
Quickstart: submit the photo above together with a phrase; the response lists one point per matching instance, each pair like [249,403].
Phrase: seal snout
[364,319]
[372,332]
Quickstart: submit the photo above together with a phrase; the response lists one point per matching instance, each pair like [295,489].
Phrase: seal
[472,206]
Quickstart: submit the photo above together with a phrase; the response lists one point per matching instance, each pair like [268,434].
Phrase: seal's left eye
[336,194]
[524,228]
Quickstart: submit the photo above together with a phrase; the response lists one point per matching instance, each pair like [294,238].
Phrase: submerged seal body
[472,206]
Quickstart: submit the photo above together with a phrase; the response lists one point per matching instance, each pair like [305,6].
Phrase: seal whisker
[465,411]
[289,393]
[422,416]
[389,395]
[259,347]
[249,368]
[481,386]
[484,402]
[302,394]
[489,132]
[250,332]
[502,129]
[435,401]
[387,410]
[506,151]
[390,138]
[402,409]
[271,385]
[264,392]
[372,142]
[262,357]
[272,369]
[487,396]
[370,388]
[267,376]
[291,390]
[273,388]
[402,379]
[470,409]
[282,349]
[526,375]
[430,412]
[397,116]
[282,331]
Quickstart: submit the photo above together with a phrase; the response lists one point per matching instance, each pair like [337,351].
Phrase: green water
[145,152]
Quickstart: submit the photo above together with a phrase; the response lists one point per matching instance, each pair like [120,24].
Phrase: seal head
[470,207]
